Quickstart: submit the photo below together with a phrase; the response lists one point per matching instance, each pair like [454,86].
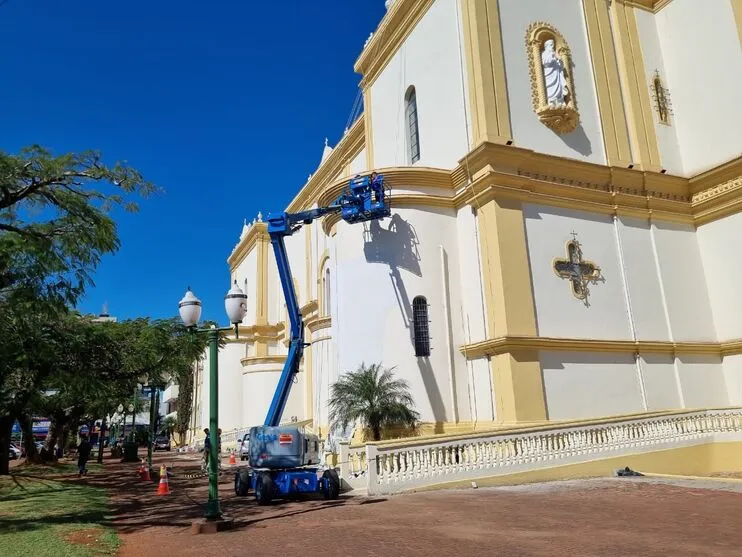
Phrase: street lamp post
[235,303]
[133,417]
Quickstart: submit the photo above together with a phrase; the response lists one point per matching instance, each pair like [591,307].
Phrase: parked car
[243,447]
[14,452]
[162,443]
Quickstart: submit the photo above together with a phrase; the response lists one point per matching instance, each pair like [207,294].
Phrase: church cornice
[508,344]
[394,28]
[257,231]
[653,6]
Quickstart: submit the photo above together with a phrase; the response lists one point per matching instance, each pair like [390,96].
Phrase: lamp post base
[212,526]
[213,510]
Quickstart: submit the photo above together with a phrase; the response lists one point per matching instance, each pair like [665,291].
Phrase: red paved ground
[612,517]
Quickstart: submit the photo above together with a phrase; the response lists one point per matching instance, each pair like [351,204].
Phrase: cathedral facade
[566,188]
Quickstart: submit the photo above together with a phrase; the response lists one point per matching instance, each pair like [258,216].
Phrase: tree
[54,229]
[372,396]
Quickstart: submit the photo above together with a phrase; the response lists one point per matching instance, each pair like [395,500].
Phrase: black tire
[264,489]
[242,483]
[332,484]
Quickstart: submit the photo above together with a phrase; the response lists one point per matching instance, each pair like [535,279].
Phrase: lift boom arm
[365,199]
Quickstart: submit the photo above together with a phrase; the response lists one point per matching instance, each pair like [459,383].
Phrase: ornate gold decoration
[562,118]
[578,271]
[661,98]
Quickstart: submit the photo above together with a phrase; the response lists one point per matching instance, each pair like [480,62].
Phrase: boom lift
[284,460]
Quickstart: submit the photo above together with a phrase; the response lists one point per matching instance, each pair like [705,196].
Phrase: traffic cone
[164,487]
[232,459]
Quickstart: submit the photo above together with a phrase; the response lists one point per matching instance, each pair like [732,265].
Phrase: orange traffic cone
[164,487]
[232,459]
[144,472]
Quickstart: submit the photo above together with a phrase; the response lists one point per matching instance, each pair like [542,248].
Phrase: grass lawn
[42,514]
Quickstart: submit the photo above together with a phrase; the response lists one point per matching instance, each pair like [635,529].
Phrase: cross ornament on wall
[578,271]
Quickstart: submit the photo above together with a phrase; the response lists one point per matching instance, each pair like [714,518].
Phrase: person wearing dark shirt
[207,449]
[83,454]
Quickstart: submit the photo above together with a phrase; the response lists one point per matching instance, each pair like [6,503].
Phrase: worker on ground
[207,449]
[83,454]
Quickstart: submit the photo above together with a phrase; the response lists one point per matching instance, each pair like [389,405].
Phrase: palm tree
[371,396]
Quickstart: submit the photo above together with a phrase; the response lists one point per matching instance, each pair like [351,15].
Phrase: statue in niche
[555,79]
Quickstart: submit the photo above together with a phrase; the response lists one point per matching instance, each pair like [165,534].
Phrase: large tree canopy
[54,224]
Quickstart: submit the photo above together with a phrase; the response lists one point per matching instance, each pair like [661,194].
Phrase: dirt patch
[88,537]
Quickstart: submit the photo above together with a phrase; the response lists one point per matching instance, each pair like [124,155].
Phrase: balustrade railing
[390,467]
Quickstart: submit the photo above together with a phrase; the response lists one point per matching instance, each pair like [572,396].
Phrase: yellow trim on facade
[321,309]
[394,28]
[261,303]
[653,6]
[485,62]
[699,460]
[246,244]
[269,359]
[737,9]
[351,144]
[515,343]
[368,130]
[634,80]
[607,83]
[318,323]
[517,378]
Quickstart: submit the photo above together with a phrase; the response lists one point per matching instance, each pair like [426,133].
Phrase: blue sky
[224,104]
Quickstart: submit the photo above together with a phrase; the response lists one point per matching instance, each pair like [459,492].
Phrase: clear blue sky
[224,104]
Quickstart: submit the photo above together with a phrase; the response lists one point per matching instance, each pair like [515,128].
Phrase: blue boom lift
[284,461]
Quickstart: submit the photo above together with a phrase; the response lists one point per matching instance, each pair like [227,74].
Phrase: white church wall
[722,271]
[430,59]
[376,284]
[247,269]
[321,375]
[660,382]
[472,308]
[358,164]
[686,293]
[586,142]
[481,396]
[732,366]
[666,134]
[230,385]
[558,312]
[589,385]
[702,381]
[645,293]
[261,381]
[703,60]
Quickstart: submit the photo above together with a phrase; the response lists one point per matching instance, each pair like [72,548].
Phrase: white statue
[557,89]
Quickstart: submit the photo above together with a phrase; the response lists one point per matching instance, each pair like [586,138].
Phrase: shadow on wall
[432,390]
[578,140]
[395,246]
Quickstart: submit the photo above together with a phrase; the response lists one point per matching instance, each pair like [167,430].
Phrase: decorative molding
[318,323]
[247,243]
[258,360]
[653,6]
[561,118]
[394,28]
[508,344]
[717,202]
[661,98]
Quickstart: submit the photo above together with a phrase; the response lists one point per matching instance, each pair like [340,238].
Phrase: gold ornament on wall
[552,81]
[578,271]
[661,98]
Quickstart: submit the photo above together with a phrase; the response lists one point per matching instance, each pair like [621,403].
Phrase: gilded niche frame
[561,118]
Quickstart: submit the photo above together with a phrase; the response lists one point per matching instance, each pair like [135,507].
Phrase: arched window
[420,324]
[413,132]
[326,293]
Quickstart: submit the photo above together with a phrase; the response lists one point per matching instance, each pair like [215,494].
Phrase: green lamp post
[235,303]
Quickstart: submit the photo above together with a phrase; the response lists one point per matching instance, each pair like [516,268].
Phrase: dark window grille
[421,326]
[413,132]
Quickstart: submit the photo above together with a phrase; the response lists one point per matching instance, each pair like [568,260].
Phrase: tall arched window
[413,132]
[420,324]
[326,293]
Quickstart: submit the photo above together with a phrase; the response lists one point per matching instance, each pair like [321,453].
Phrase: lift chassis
[284,461]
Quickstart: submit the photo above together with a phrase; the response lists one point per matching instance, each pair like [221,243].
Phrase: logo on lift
[266,437]
[285,439]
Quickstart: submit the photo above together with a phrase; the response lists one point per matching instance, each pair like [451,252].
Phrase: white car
[15,452]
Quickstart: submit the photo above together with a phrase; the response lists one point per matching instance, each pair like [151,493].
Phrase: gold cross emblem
[578,271]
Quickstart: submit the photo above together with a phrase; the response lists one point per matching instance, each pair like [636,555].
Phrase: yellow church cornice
[393,29]
[653,6]
[515,343]
[257,231]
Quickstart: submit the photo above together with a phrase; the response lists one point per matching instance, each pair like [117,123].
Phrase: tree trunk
[6,428]
[32,455]
[376,429]
[100,440]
